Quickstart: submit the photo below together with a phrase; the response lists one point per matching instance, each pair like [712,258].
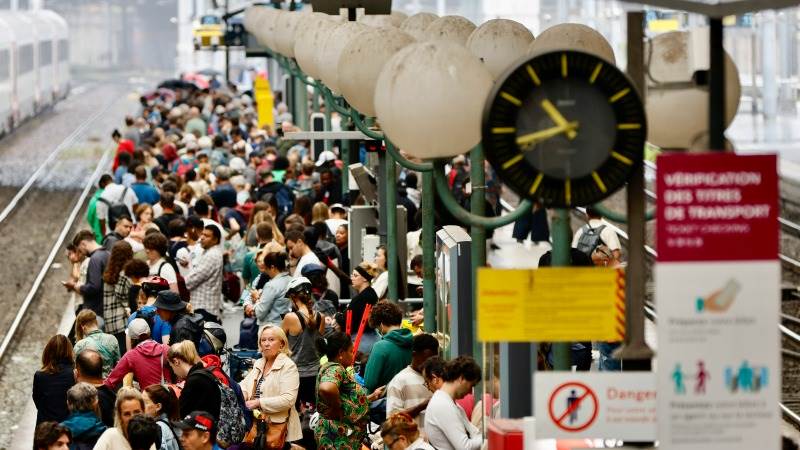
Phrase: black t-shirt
[357,304]
[163,221]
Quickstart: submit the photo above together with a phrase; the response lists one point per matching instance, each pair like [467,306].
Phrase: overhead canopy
[718,8]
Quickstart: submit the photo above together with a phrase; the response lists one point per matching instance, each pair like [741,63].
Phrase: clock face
[564,128]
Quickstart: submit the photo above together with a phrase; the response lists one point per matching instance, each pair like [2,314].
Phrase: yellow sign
[553,304]
[265,102]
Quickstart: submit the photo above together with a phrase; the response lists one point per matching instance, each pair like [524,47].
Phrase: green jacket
[91,216]
[389,356]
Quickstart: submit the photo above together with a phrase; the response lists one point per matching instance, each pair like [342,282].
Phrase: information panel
[596,405]
[718,302]
[553,304]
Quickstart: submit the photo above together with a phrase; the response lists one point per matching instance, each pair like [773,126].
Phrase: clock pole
[635,353]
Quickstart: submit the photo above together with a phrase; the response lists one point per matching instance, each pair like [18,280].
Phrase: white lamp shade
[678,118]
[455,29]
[310,36]
[430,97]
[265,27]
[417,24]
[572,36]
[361,62]
[499,43]
[285,27]
[328,58]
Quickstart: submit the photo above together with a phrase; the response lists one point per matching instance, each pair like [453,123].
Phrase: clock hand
[543,135]
[556,116]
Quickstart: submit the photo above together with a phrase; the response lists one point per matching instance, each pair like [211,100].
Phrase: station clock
[564,128]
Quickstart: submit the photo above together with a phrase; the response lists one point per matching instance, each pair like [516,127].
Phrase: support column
[477,204]
[301,104]
[390,184]
[562,240]
[716,98]
[428,252]
[635,353]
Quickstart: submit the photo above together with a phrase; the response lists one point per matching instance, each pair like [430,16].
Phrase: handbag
[266,434]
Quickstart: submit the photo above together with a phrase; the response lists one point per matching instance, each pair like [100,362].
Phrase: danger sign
[595,405]
[573,407]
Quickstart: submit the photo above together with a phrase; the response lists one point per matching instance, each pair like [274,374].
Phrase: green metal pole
[390,184]
[477,233]
[428,252]
[562,242]
[301,104]
[329,127]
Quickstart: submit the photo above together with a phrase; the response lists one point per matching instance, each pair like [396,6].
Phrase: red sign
[717,207]
[573,406]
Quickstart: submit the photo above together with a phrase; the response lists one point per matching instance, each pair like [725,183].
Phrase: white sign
[719,370]
[602,405]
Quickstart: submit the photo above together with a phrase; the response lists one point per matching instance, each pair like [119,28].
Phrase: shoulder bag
[265,434]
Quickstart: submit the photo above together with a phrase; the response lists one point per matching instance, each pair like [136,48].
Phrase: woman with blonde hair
[200,391]
[270,389]
[400,432]
[129,403]
[89,335]
[319,214]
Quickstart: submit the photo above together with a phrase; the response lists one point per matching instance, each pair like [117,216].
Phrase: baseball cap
[310,269]
[137,328]
[325,156]
[338,206]
[298,284]
[198,420]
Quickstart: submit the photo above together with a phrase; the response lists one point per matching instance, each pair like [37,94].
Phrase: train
[34,64]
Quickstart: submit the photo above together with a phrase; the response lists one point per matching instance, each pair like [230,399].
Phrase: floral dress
[348,433]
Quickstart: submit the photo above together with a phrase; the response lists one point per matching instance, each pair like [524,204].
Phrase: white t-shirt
[166,272]
[447,427]
[112,194]
[608,236]
[308,258]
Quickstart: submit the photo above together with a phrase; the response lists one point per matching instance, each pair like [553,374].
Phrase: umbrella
[177,84]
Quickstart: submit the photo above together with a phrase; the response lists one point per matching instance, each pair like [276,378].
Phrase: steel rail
[23,310]
[69,140]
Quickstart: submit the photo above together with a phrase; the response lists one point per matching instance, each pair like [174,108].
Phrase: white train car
[6,78]
[43,60]
[24,93]
[60,52]
[34,64]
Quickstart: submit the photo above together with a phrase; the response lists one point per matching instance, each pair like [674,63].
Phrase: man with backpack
[116,201]
[596,232]
[155,247]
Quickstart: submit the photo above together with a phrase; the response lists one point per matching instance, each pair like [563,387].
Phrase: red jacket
[147,361]
[126,146]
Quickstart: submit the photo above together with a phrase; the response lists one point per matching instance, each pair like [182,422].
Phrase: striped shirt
[407,390]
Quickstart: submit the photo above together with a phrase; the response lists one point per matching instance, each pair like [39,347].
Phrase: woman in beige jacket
[273,383]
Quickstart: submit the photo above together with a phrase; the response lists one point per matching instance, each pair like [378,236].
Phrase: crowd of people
[205,213]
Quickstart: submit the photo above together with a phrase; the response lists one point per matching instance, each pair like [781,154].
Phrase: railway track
[71,139]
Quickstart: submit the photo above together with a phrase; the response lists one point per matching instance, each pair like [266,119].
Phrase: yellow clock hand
[556,116]
[543,135]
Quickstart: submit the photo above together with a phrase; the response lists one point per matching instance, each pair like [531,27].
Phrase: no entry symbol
[573,406]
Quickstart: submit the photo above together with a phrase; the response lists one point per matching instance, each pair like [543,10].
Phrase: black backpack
[590,239]
[116,209]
